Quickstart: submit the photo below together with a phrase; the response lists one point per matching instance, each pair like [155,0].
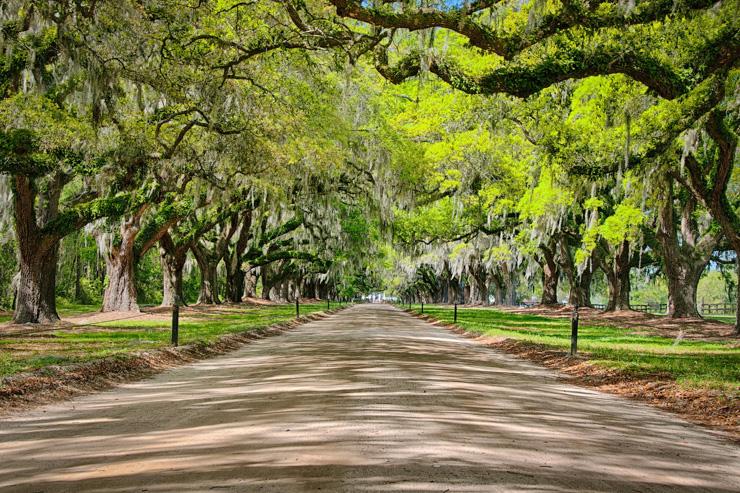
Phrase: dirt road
[368,400]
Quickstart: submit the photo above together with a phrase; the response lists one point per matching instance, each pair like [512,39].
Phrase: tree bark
[208,277]
[172,268]
[709,185]
[737,295]
[682,286]
[584,287]
[234,285]
[120,293]
[479,286]
[35,294]
[235,275]
[510,285]
[35,299]
[499,288]
[266,275]
[684,261]
[618,279]
[580,283]
[250,284]
[550,276]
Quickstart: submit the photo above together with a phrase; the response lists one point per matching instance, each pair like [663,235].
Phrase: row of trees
[566,139]
[199,131]
[620,156]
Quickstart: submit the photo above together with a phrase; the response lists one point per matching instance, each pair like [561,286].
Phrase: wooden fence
[650,307]
[662,308]
[718,308]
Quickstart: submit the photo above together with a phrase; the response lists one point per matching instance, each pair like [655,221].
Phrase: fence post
[176,321]
[297,307]
[328,303]
[574,331]
[422,308]
[455,319]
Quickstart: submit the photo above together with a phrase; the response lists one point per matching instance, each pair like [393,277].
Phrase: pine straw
[55,383]
[707,407]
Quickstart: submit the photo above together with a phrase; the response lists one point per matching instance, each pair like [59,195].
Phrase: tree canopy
[474,150]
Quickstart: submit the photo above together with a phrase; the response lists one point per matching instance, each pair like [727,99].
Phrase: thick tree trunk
[580,284]
[250,284]
[233,256]
[235,285]
[268,281]
[208,294]
[510,286]
[120,293]
[618,279]
[35,296]
[479,287]
[714,197]
[684,261]
[583,293]
[284,290]
[499,292]
[550,276]
[208,285]
[35,293]
[172,268]
[168,286]
[683,282]
[737,294]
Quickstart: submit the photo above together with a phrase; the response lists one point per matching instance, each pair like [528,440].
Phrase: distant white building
[380,297]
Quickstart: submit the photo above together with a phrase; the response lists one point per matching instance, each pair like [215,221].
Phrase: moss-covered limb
[35,50]
[525,79]
[709,183]
[284,229]
[168,213]
[598,15]
[458,20]
[663,124]
[571,59]
[727,142]
[19,154]
[594,15]
[271,257]
[74,218]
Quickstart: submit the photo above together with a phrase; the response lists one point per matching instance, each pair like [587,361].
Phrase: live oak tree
[53,178]
[520,51]
[60,175]
[560,140]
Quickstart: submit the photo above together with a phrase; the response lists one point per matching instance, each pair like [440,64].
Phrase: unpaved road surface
[368,400]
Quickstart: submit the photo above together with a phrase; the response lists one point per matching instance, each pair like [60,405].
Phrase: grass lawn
[728,319]
[84,343]
[690,363]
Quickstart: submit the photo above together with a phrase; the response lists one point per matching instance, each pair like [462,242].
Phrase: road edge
[663,394]
[53,384]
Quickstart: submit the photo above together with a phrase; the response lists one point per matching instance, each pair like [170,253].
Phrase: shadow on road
[368,400]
